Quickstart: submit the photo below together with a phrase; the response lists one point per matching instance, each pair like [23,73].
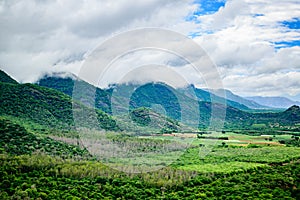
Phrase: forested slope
[45,106]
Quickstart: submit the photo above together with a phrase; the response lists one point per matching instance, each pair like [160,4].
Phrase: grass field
[187,152]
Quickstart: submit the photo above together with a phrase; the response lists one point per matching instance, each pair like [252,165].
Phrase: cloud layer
[41,36]
[251,41]
[254,43]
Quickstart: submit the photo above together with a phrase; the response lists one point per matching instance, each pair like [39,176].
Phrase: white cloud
[38,36]
[286,59]
[241,37]
[225,17]
[265,84]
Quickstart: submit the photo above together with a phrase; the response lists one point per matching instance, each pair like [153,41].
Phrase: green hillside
[144,96]
[161,94]
[66,85]
[16,140]
[175,102]
[46,107]
[147,118]
[292,114]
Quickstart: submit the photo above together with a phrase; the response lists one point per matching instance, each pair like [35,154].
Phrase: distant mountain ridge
[236,98]
[65,84]
[209,96]
[49,107]
[156,93]
[275,102]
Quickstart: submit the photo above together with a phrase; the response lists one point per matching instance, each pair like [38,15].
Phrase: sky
[255,44]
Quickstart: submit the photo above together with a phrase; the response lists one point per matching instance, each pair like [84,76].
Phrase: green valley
[60,145]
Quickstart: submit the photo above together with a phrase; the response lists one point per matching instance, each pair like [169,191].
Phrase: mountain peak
[294,108]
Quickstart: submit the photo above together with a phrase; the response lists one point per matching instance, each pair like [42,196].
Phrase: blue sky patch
[197,34]
[209,6]
[206,7]
[258,15]
[292,24]
[285,44]
[194,34]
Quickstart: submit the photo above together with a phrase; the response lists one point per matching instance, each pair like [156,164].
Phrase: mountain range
[237,114]
[63,82]
[50,105]
[275,102]
[252,104]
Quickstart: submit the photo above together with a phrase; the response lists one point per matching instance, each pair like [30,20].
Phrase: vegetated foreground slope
[16,140]
[40,176]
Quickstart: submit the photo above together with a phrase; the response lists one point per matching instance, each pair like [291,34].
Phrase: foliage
[294,141]
[35,166]
[48,107]
[67,84]
[15,140]
[156,93]
[146,117]
[46,178]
